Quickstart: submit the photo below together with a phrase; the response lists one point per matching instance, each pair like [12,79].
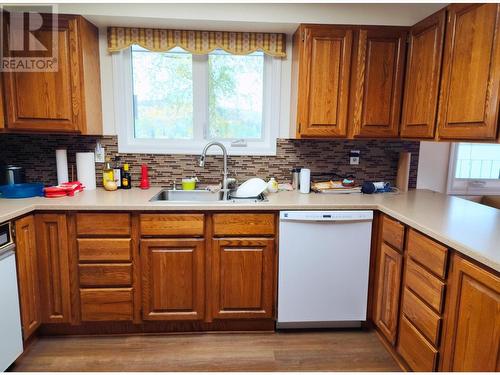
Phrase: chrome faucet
[225,180]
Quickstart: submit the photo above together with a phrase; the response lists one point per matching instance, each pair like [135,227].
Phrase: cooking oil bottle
[108,180]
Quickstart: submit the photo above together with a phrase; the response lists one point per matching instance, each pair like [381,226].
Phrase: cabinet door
[27,273]
[48,101]
[243,278]
[323,88]
[471,340]
[377,81]
[173,279]
[423,71]
[53,266]
[468,107]
[388,291]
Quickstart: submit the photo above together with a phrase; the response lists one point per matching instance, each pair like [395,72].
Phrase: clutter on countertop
[272,185]
[126,177]
[336,187]
[305,181]
[85,169]
[108,179]
[295,178]
[24,190]
[63,190]
[251,188]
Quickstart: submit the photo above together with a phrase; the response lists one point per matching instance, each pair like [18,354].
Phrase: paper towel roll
[62,166]
[85,169]
[305,180]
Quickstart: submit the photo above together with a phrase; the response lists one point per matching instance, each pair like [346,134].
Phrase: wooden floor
[294,351]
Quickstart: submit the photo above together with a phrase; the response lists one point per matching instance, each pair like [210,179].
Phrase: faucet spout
[201,163]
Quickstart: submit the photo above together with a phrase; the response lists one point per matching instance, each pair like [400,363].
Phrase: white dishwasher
[324,261]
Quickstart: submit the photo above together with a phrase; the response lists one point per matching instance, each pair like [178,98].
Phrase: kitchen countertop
[468,227]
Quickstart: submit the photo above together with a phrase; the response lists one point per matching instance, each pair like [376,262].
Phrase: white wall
[433,166]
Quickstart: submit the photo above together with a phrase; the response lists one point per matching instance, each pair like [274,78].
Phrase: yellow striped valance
[196,42]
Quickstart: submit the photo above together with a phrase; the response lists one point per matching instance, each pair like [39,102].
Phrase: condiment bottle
[126,177]
[108,180]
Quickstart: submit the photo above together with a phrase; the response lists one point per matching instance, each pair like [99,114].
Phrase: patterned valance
[196,42]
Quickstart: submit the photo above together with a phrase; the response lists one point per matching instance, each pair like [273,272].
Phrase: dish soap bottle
[126,177]
[108,180]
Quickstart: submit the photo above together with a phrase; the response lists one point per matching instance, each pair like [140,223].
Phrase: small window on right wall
[474,169]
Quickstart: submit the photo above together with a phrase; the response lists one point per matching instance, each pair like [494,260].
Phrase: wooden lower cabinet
[54,268]
[173,279]
[390,265]
[106,304]
[243,272]
[471,340]
[27,273]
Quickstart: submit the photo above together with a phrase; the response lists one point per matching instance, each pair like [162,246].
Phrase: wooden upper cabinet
[243,278]
[53,266]
[173,279]
[66,100]
[423,73]
[389,270]
[469,98]
[377,80]
[324,54]
[471,339]
[27,271]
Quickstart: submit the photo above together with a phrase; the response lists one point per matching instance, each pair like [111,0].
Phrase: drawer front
[421,316]
[95,275]
[173,225]
[102,224]
[424,284]
[244,225]
[414,348]
[393,232]
[104,249]
[427,252]
[106,304]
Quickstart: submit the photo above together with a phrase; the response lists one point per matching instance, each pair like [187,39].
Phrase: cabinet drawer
[93,275]
[244,224]
[414,348]
[424,284]
[422,317]
[393,232]
[106,304]
[104,249]
[172,225]
[102,224]
[425,251]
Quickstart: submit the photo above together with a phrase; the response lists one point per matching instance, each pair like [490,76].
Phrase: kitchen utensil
[251,188]
[305,180]
[11,174]
[21,190]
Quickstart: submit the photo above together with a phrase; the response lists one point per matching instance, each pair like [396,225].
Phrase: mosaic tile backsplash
[379,158]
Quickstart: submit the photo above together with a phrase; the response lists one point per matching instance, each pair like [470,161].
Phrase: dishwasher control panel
[326,215]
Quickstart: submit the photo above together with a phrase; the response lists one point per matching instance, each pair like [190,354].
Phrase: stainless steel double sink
[170,195]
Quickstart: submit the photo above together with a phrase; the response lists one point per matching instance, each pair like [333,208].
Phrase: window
[474,169]
[175,102]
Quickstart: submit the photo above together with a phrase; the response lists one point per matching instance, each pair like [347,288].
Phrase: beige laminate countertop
[468,227]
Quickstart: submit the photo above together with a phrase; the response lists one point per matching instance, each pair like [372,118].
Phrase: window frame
[468,186]
[124,112]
